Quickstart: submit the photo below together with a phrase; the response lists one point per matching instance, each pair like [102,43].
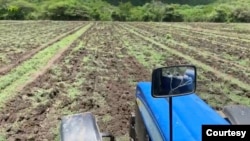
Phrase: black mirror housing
[173,81]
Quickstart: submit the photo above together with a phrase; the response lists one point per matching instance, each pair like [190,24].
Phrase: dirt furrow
[211,86]
[104,91]
[204,78]
[236,39]
[98,73]
[212,52]
[18,42]
[241,29]
[220,48]
[31,104]
[222,66]
[8,68]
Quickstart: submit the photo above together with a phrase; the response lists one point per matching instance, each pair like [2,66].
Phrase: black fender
[132,133]
[237,114]
[81,127]
[140,129]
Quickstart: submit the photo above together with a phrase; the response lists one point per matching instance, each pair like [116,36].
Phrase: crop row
[89,77]
[224,50]
[28,30]
[242,40]
[16,22]
[152,56]
[16,42]
[220,28]
[18,76]
[212,87]
[217,63]
[96,70]
[48,91]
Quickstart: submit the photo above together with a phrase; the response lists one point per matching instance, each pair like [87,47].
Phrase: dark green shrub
[118,16]
[219,15]
[171,15]
[240,15]
[19,10]
[65,10]
[95,15]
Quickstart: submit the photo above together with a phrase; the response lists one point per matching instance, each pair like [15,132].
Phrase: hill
[127,10]
[142,2]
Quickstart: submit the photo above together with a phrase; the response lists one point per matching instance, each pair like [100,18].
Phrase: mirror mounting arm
[163,80]
[171,118]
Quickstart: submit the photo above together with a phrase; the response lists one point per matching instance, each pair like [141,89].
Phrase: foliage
[127,10]
[219,15]
[17,10]
[171,15]
[240,15]
[67,10]
[190,2]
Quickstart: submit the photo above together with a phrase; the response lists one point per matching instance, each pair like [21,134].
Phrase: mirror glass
[173,81]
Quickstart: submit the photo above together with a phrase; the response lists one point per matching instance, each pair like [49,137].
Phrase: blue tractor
[167,109]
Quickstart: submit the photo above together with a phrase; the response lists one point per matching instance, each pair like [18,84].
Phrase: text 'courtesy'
[235,132]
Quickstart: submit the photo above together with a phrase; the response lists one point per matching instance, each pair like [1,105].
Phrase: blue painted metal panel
[189,113]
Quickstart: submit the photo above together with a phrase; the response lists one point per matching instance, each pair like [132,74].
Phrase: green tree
[241,14]
[219,15]
[68,10]
[124,10]
[171,15]
[19,10]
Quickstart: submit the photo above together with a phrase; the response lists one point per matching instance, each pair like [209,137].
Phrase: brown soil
[31,53]
[205,85]
[225,28]
[104,76]
[222,66]
[220,47]
[38,114]
[235,39]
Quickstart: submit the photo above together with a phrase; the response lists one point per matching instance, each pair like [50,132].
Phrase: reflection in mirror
[176,80]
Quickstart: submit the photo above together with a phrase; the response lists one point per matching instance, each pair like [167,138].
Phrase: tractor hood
[190,112]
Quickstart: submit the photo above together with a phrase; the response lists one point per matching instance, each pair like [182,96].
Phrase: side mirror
[173,81]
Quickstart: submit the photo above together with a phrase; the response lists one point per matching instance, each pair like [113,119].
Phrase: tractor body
[152,116]
[190,112]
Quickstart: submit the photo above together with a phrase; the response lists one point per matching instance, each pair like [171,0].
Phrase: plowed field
[51,69]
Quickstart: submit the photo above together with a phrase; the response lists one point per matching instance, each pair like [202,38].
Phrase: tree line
[114,10]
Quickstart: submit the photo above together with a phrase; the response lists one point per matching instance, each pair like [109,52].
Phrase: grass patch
[123,138]
[240,99]
[193,61]
[73,92]
[215,102]
[40,95]
[2,137]
[18,76]
[146,56]
[55,132]
[106,118]
[86,59]
[3,59]
[80,45]
[244,62]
